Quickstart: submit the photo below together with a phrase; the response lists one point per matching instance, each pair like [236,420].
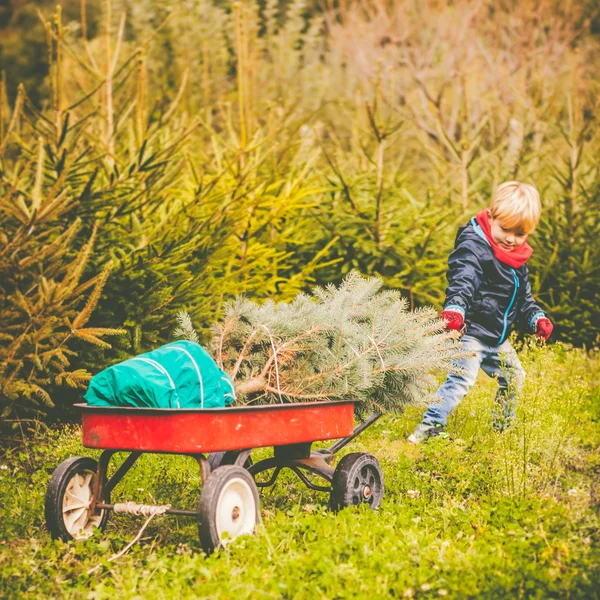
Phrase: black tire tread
[342,475]
[220,459]
[56,490]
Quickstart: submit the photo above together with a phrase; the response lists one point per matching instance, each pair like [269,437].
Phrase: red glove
[543,328]
[454,320]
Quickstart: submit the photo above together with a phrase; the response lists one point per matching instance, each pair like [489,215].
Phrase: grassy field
[482,515]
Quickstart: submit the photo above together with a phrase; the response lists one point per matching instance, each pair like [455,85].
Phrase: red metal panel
[195,431]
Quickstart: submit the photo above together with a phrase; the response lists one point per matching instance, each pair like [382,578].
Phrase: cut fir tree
[352,342]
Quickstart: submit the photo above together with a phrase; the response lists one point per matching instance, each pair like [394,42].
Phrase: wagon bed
[190,431]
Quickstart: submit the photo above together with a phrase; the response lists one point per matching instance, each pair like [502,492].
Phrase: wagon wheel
[219,459]
[357,479]
[68,499]
[228,508]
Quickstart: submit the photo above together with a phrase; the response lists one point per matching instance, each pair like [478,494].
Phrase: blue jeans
[497,361]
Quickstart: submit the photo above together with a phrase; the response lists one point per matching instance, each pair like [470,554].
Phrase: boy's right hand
[453,319]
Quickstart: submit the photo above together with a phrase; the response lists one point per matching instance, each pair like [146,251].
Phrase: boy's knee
[521,375]
[518,374]
[514,378]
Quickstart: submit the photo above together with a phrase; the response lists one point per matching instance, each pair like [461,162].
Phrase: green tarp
[178,375]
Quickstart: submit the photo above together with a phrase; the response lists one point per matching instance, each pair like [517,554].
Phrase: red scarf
[518,257]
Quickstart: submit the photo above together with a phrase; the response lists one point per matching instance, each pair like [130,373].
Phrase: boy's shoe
[423,432]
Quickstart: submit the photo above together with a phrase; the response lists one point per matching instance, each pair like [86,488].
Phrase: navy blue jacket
[491,295]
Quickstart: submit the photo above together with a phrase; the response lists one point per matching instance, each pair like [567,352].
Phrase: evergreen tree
[43,304]
[354,341]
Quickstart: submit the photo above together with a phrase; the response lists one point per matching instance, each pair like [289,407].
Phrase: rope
[147,510]
[377,348]
[275,360]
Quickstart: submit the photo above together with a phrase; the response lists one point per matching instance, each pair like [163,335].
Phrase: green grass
[481,516]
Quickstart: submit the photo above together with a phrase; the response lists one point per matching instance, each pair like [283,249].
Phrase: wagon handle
[357,431]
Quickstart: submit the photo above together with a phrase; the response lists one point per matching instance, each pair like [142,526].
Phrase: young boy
[488,293]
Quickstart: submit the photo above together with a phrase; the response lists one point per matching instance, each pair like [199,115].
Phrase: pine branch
[92,339]
[355,341]
[83,317]
[75,269]
[186,328]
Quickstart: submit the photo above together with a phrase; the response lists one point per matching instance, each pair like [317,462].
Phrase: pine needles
[41,311]
[354,341]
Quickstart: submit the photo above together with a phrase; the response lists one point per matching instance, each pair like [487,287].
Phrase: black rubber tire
[220,459]
[213,506]
[358,479]
[55,494]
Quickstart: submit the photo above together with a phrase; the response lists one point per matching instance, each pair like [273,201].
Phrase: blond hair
[517,205]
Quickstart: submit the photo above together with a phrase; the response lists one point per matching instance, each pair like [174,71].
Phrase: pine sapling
[354,341]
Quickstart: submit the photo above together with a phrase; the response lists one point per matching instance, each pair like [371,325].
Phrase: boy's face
[508,239]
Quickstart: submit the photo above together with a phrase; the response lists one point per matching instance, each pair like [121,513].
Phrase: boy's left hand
[543,328]
[453,320]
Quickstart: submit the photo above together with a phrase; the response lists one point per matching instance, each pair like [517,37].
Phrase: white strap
[197,371]
[161,369]
[228,381]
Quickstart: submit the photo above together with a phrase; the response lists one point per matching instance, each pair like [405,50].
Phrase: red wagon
[221,440]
